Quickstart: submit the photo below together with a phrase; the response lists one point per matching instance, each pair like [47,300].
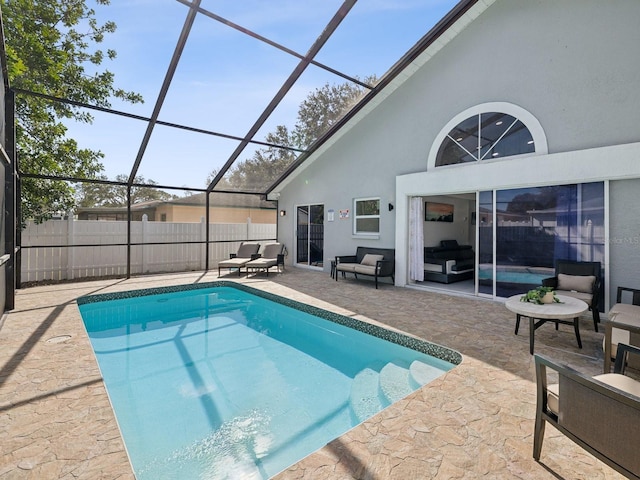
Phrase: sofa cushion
[371,259]
[579,283]
[364,269]
[449,243]
[346,267]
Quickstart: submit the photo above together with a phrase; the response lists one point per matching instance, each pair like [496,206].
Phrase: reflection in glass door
[310,235]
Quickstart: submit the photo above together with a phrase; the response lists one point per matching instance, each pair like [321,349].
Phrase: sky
[225,79]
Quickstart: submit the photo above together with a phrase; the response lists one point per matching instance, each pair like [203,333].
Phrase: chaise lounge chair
[273,256]
[247,252]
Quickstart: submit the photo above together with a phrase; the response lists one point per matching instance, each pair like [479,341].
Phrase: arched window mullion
[462,147]
[500,138]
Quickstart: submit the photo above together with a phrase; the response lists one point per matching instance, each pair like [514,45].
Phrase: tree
[316,115]
[109,195]
[52,48]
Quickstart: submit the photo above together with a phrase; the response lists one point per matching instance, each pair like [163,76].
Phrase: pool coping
[438,351]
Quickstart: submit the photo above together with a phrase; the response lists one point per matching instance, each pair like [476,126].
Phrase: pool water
[221,383]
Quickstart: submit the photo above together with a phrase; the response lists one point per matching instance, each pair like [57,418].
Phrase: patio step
[365,400]
[394,382]
[421,373]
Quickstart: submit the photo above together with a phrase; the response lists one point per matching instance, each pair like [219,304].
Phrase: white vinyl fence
[92,257]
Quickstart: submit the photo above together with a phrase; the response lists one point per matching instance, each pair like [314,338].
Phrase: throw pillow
[371,259]
[579,283]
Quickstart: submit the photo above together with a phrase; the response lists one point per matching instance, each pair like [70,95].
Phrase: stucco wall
[188,214]
[567,63]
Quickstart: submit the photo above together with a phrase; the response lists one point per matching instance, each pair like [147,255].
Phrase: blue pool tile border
[433,349]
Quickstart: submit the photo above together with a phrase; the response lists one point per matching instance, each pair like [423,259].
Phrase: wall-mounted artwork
[438,212]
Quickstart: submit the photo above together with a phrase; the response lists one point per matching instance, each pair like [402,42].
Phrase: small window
[163,217]
[485,136]
[367,216]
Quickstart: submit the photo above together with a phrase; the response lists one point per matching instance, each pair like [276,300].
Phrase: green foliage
[108,195]
[535,295]
[322,109]
[52,48]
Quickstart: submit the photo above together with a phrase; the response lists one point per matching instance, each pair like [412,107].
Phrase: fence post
[145,252]
[249,229]
[203,237]
[70,250]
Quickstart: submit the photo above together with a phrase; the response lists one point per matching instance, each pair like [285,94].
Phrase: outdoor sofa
[368,261]
[623,326]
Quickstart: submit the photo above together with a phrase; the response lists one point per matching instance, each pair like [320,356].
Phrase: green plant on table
[535,295]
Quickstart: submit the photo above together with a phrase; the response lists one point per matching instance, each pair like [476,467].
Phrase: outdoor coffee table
[567,312]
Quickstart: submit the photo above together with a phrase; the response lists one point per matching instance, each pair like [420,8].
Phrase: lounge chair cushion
[616,380]
[579,283]
[371,259]
[247,249]
[585,297]
[234,262]
[272,250]
[262,263]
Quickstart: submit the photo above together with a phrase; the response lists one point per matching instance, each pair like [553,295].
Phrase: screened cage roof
[224,83]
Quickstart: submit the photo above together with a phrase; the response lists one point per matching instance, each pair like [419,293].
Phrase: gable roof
[452,24]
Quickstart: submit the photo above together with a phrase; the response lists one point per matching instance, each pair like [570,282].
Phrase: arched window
[487,132]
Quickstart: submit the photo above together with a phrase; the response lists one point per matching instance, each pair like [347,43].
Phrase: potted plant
[540,295]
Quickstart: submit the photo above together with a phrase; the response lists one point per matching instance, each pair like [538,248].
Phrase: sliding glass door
[310,235]
[531,228]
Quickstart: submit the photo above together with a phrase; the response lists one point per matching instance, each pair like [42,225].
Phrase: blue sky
[225,79]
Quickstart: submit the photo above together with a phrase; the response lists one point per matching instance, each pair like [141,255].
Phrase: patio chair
[623,326]
[601,413]
[273,256]
[246,252]
[581,280]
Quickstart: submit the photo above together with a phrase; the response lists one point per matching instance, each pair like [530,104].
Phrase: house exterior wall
[566,63]
[194,214]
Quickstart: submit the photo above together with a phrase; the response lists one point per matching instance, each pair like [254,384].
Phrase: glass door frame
[307,264]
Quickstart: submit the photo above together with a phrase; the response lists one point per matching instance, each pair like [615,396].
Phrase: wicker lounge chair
[601,413]
[623,326]
[247,252]
[273,256]
[581,280]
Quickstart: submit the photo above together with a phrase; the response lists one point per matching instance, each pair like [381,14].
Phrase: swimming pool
[220,380]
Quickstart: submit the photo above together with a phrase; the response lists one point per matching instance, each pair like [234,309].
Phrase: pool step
[375,387]
[421,373]
[365,400]
[395,382]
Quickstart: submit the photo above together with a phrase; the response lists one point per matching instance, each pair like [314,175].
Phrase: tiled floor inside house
[476,421]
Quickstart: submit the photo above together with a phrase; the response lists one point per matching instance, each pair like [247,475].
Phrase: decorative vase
[547,298]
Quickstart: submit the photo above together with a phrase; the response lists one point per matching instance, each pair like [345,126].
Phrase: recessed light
[495,154]
[530,142]
[499,123]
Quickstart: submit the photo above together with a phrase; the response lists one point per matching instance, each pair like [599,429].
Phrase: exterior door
[310,235]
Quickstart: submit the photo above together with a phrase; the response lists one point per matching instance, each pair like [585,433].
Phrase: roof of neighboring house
[216,200]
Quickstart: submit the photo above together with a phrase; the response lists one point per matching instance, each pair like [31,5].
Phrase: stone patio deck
[475,421]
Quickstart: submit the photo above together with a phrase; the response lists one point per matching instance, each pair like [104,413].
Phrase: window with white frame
[485,136]
[366,220]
